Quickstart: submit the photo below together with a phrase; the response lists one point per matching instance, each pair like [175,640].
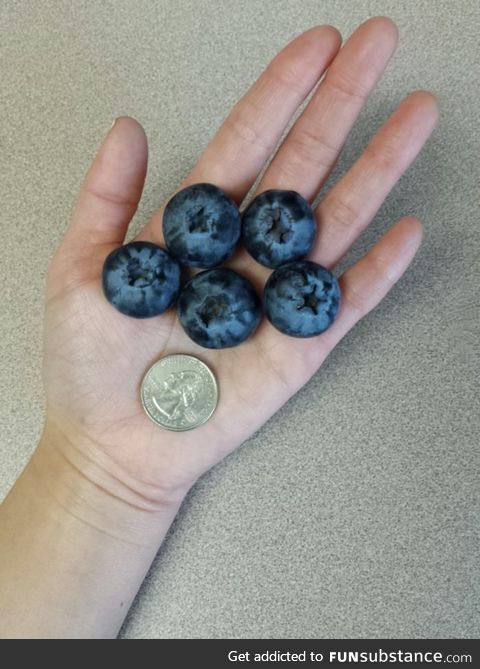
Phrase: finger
[111,190]
[250,133]
[352,203]
[365,284]
[312,146]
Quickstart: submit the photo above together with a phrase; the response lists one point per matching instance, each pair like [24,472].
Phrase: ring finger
[352,202]
[313,144]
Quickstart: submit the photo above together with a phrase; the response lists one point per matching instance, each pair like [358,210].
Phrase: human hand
[95,357]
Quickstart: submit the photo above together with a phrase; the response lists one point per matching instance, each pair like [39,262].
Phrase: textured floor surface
[355,511]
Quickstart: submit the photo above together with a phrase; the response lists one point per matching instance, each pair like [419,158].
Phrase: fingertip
[326,30]
[377,37]
[128,123]
[121,163]
[383,25]
[428,101]
[320,35]
[366,53]
[129,132]
[413,225]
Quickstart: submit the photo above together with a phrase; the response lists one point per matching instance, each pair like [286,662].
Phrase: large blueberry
[201,226]
[218,308]
[301,299]
[140,279]
[278,226]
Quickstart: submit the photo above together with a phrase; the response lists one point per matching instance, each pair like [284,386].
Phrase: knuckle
[355,301]
[340,211]
[110,198]
[311,148]
[286,78]
[241,122]
[343,84]
[383,156]
[384,269]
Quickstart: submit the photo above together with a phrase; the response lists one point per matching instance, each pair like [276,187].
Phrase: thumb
[111,191]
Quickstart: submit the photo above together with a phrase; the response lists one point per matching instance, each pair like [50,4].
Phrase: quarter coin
[179,392]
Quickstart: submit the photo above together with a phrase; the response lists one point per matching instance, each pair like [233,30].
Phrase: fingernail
[113,123]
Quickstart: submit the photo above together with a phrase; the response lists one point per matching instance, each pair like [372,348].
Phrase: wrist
[71,478]
[75,549]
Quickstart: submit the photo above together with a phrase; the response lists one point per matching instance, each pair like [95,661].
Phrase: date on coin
[179,392]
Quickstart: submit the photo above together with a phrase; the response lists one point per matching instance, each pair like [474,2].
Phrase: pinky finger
[365,284]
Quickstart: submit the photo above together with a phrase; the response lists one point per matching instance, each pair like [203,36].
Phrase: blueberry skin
[140,279]
[201,226]
[301,299]
[218,308]
[278,227]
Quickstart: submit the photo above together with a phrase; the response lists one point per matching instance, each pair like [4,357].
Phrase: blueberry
[140,279]
[201,226]
[278,226]
[218,308]
[301,299]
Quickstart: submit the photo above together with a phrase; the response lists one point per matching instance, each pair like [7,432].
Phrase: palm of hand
[95,357]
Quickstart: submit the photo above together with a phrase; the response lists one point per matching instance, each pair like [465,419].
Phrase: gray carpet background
[354,512]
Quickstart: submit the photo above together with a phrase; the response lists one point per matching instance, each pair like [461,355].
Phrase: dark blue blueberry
[278,226]
[218,308]
[201,226]
[301,299]
[140,279]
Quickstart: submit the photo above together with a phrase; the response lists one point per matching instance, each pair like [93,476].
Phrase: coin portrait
[179,392]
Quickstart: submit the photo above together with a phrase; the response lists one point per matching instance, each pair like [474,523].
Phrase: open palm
[95,357]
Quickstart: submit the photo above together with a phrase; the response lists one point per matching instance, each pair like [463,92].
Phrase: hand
[95,357]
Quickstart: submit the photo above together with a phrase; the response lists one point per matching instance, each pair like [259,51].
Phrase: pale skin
[80,527]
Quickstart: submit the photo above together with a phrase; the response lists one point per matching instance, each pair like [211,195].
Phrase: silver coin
[179,392]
